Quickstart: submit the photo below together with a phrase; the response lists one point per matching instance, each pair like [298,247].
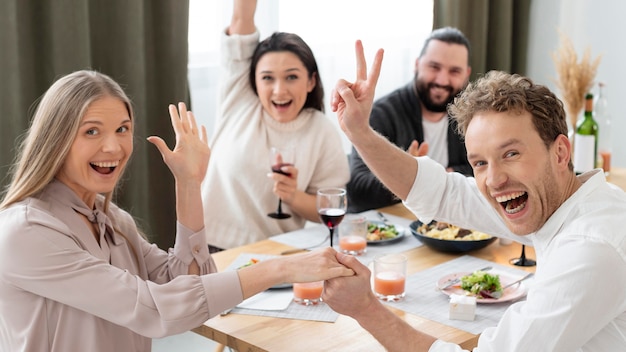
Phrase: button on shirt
[578,300]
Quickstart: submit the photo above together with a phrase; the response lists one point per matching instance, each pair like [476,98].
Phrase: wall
[597,24]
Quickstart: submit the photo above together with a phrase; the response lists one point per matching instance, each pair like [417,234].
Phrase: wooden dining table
[617,176]
[262,333]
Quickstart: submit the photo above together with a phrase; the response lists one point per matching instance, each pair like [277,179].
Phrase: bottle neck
[588,105]
[588,108]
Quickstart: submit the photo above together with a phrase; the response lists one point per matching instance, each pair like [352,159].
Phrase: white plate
[510,294]
[401,230]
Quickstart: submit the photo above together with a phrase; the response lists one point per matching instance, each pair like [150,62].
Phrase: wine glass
[280,157]
[522,260]
[331,207]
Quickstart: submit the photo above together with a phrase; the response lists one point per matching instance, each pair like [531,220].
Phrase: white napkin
[269,300]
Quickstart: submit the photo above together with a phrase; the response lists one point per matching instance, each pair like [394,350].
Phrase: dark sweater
[398,117]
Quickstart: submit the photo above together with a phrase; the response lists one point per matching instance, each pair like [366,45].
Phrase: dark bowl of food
[448,238]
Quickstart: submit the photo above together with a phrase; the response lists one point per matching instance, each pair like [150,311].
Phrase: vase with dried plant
[574,78]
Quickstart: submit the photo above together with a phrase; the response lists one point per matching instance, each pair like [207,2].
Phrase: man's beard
[423,90]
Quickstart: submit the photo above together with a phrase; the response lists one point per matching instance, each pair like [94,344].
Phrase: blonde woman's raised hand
[353,101]
[189,159]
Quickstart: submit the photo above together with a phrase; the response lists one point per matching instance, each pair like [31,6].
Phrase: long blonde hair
[53,130]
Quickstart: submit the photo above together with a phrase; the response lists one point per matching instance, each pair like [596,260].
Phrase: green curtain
[497,30]
[142,44]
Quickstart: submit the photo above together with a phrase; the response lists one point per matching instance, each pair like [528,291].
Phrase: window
[330,27]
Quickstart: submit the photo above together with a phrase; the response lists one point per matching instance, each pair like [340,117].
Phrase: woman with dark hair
[289,42]
[271,96]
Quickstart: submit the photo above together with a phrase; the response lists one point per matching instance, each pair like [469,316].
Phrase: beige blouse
[62,291]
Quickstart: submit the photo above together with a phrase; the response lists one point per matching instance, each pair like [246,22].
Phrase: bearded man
[414,117]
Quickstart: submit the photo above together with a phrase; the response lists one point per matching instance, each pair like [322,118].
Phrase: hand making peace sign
[353,101]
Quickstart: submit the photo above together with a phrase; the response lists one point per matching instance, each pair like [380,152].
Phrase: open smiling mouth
[104,168]
[513,203]
[282,104]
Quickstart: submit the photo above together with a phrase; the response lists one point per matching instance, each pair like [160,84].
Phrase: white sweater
[237,194]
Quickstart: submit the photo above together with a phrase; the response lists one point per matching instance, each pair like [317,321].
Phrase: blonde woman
[75,273]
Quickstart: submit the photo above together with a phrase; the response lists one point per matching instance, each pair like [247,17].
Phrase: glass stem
[523,255]
[279,210]
[332,232]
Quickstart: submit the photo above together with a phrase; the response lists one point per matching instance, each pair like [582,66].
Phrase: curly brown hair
[500,92]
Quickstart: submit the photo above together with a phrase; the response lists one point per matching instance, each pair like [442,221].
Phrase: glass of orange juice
[390,277]
[308,293]
[353,235]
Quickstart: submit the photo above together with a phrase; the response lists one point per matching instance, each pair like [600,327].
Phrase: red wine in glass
[331,217]
[331,207]
[278,159]
[277,168]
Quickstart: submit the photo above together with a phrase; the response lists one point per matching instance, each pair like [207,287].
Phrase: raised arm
[188,162]
[353,103]
[242,21]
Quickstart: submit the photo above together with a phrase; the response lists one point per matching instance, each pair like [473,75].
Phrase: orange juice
[352,243]
[353,235]
[390,277]
[308,292]
[389,283]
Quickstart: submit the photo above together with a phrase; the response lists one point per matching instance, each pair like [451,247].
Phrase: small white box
[462,307]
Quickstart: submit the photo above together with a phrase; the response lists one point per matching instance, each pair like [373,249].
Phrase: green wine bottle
[586,140]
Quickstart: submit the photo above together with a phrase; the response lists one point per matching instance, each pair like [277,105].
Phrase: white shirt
[436,134]
[578,300]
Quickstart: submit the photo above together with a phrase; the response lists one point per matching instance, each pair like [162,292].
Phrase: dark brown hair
[449,35]
[281,41]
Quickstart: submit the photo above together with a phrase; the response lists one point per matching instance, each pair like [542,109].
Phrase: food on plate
[482,285]
[445,231]
[249,262]
[381,231]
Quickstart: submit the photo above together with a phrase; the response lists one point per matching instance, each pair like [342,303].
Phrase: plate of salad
[486,286]
[380,233]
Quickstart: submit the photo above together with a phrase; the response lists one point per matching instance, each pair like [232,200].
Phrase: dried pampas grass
[575,78]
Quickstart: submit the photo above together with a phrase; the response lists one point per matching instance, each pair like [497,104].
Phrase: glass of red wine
[280,157]
[331,207]
[522,260]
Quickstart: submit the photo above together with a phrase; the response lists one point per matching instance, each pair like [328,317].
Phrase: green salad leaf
[380,231]
[482,284]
